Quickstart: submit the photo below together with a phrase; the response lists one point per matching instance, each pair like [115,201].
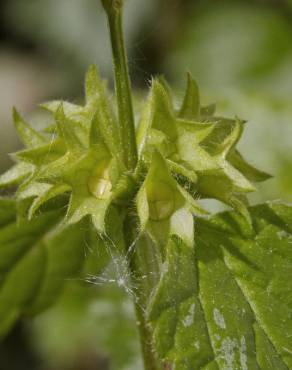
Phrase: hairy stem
[144,268]
[142,262]
[122,83]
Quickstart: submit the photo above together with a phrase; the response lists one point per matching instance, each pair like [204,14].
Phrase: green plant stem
[144,270]
[142,263]
[122,86]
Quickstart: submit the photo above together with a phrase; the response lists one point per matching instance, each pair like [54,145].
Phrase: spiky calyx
[184,155]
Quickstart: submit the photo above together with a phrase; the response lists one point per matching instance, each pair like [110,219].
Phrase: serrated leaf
[227,303]
[180,332]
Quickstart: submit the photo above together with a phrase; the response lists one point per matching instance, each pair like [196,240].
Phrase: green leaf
[180,331]
[227,303]
[7,211]
[65,255]
[36,258]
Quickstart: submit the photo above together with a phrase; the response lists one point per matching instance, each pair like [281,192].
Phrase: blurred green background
[240,52]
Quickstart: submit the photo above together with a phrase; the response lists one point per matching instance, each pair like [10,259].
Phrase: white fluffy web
[118,273]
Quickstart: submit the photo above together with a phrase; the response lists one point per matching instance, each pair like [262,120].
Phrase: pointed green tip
[59,118]
[161,92]
[112,5]
[60,113]
[191,104]
[93,83]
[16,116]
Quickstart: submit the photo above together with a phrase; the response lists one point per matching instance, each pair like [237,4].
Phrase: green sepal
[43,154]
[163,206]
[197,151]
[48,193]
[16,174]
[208,111]
[71,110]
[96,97]
[191,104]
[224,137]
[27,134]
[250,172]
[66,131]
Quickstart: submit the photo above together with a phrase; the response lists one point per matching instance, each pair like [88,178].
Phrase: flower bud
[99,183]
[161,200]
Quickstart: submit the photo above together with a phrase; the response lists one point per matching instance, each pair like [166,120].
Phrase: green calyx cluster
[201,288]
[184,154]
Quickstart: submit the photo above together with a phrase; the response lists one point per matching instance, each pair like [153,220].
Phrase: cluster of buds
[184,155]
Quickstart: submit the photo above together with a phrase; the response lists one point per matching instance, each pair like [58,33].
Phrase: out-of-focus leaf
[36,258]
